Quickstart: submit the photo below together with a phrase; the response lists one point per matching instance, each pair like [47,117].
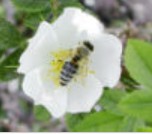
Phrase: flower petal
[73,23]
[56,102]
[83,96]
[44,27]
[39,87]
[39,49]
[106,59]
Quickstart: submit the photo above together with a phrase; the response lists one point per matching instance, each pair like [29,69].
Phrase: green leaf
[130,124]
[2,11]
[8,66]
[138,60]
[9,37]
[66,3]
[1,54]
[41,114]
[145,129]
[33,20]
[100,122]
[32,5]
[59,5]
[138,104]
[73,120]
[76,122]
[111,98]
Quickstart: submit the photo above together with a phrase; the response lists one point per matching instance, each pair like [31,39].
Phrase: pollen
[59,58]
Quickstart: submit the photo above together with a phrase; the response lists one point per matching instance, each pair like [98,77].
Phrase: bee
[71,67]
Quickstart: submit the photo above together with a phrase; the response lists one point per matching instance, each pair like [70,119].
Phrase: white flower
[52,45]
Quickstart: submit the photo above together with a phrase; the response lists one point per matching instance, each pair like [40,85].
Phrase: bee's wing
[72,52]
[83,66]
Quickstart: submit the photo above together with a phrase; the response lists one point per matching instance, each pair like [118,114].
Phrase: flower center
[60,57]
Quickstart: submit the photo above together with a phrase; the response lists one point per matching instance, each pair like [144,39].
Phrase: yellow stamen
[60,57]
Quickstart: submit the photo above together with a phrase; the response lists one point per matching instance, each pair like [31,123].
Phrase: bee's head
[88,45]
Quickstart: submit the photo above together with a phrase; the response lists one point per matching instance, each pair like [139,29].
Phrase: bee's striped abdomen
[67,73]
[71,67]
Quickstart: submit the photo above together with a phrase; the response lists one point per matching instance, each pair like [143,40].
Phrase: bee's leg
[85,68]
[60,60]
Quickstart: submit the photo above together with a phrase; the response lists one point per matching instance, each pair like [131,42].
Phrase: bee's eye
[88,45]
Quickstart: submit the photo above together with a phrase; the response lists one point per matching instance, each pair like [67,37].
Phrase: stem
[15,66]
[55,4]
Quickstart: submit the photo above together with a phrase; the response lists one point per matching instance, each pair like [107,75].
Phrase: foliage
[41,113]
[138,61]
[110,100]
[138,104]
[35,11]
[31,5]
[144,129]
[10,49]
[10,37]
[101,121]
[9,65]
